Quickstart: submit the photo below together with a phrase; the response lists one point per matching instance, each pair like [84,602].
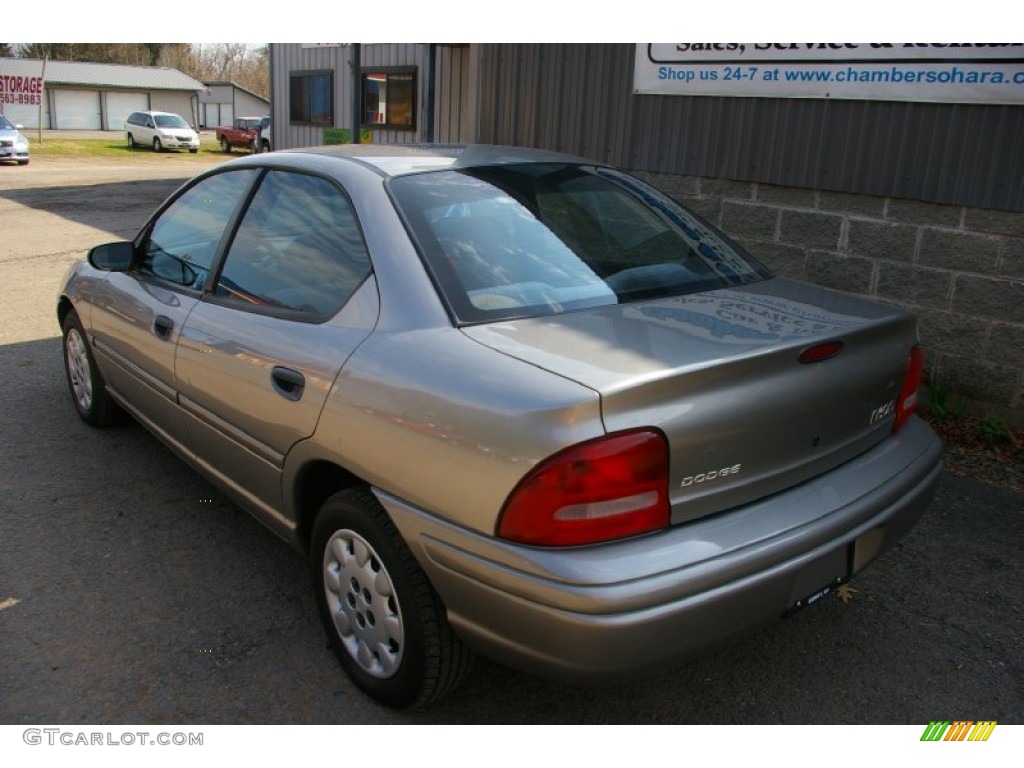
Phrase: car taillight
[609,488]
[907,402]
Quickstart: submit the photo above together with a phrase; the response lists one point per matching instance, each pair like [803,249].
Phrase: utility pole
[42,95]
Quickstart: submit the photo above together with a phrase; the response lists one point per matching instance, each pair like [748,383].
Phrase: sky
[545,21]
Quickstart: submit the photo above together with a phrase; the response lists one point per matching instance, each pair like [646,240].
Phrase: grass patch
[113,148]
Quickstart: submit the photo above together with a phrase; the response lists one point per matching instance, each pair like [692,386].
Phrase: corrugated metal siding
[216,93]
[247,105]
[453,117]
[578,98]
[291,57]
[183,104]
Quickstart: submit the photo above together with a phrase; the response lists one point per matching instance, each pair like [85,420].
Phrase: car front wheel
[224,146]
[88,391]
[158,145]
[384,621]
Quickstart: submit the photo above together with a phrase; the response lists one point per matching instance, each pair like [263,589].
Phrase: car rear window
[535,239]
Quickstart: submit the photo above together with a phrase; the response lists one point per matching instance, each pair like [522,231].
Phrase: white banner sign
[20,90]
[981,73]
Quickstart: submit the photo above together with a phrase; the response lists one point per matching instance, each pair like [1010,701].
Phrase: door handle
[287,382]
[162,326]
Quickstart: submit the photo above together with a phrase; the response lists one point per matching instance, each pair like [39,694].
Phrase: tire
[23,162]
[193,151]
[88,390]
[265,146]
[131,142]
[384,621]
[224,146]
[157,144]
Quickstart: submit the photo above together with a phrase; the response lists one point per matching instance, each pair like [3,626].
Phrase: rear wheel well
[318,481]
[63,307]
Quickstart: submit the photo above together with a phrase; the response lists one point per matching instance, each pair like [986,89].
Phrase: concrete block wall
[961,270]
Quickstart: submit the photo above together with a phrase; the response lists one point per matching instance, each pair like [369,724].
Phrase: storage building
[86,96]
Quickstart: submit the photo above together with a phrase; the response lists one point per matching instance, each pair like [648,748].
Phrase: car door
[258,356]
[138,315]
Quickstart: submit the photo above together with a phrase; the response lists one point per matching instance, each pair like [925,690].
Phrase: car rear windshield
[533,239]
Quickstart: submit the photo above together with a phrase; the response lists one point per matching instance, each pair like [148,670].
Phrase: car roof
[401,159]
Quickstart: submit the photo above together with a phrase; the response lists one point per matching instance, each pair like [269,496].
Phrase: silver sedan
[509,401]
[13,144]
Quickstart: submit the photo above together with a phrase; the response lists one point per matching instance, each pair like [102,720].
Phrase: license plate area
[823,576]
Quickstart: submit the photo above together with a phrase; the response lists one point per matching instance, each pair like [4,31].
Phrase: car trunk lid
[757,388]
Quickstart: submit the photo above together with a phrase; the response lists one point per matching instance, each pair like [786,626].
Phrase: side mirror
[112,257]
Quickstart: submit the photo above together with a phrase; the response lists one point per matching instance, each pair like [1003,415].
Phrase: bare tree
[236,62]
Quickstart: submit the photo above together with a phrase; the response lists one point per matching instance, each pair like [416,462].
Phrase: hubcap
[362,603]
[78,370]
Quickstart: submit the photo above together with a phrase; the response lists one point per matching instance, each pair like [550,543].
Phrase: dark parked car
[508,401]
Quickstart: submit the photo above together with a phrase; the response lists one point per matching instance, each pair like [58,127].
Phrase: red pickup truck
[241,134]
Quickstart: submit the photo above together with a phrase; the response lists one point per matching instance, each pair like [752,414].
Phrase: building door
[120,105]
[78,109]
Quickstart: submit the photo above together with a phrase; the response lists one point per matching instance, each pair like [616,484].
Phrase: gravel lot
[132,592]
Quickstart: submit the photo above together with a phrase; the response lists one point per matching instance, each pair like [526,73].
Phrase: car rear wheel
[158,145]
[88,390]
[131,142]
[384,621]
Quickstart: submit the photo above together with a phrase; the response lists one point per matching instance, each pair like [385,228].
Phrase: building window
[312,98]
[389,97]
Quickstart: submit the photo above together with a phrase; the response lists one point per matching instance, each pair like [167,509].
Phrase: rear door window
[298,250]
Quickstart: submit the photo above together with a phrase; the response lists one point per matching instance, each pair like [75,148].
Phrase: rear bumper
[603,613]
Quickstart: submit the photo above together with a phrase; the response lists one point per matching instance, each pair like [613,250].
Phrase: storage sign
[979,73]
[15,89]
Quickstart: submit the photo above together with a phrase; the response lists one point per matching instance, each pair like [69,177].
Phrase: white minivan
[160,130]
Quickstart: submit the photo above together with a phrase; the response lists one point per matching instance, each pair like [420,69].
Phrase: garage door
[78,109]
[120,105]
[211,115]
